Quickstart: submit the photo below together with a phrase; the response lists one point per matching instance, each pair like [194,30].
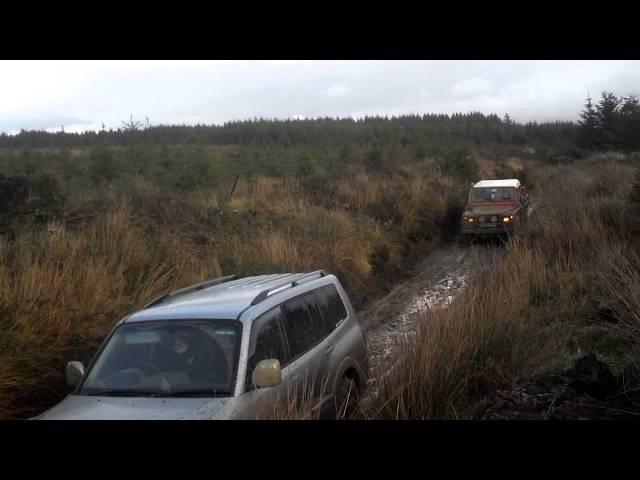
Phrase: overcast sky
[82,94]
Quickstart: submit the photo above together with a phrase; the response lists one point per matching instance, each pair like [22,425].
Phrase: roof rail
[191,288]
[292,283]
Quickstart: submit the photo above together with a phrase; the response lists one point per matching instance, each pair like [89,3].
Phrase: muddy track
[436,281]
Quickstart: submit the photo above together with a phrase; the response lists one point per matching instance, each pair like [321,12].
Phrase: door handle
[329,349]
[293,378]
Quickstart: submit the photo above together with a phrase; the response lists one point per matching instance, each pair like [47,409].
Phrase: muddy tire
[347,398]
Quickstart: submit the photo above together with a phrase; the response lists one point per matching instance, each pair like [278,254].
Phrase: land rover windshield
[167,358]
[493,194]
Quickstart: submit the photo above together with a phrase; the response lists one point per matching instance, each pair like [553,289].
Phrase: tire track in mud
[438,279]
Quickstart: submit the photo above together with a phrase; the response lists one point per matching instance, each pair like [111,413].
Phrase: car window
[168,357]
[331,306]
[266,342]
[316,316]
[491,194]
[301,329]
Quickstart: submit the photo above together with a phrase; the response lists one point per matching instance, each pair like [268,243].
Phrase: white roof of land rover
[511,182]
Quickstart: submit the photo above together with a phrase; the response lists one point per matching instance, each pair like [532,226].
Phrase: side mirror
[75,371]
[267,373]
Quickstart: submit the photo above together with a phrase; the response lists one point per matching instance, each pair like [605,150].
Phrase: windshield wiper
[197,393]
[124,393]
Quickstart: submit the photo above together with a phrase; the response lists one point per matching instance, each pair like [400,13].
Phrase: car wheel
[347,398]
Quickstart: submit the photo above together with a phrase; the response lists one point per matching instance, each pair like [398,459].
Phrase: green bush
[459,164]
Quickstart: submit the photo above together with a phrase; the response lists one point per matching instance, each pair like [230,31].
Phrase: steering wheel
[147,367]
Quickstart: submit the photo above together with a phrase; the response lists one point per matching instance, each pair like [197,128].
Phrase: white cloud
[471,86]
[337,91]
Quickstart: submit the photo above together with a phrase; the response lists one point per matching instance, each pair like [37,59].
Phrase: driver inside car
[200,358]
[189,359]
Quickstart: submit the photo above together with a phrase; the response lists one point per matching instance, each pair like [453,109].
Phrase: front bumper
[475,229]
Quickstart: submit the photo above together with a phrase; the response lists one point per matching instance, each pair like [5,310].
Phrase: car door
[304,334]
[267,341]
[335,348]
[323,345]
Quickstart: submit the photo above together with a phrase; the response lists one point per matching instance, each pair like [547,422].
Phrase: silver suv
[227,349]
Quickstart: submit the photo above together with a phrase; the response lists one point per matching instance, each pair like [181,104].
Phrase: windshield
[167,358]
[493,194]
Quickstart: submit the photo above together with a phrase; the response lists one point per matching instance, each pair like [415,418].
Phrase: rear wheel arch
[348,394]
[352,374]
[348,368]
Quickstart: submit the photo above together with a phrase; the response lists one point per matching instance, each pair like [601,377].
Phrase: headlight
[507,219]
[469,220]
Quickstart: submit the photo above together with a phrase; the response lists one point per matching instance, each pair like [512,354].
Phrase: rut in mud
[437,279]
[436,282]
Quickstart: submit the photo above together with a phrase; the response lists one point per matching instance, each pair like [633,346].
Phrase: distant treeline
[434,129]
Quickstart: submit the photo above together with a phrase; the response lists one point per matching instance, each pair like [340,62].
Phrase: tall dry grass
[300,399]
[60,295]
[487,336]
[268,195]
[61,291]
[415,199]
[535,308]
[319,239]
